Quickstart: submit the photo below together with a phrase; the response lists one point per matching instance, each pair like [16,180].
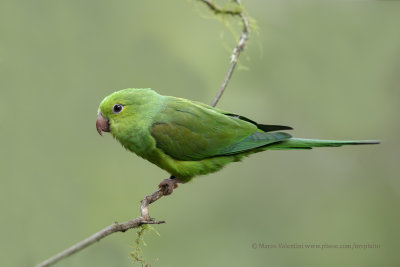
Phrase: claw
[168,185]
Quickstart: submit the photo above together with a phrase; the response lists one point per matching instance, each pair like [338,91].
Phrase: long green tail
[300,143]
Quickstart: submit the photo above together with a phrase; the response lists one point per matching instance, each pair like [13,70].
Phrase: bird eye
[117,108]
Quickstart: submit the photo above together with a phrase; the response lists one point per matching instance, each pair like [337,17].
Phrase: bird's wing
[264,127]
[188,131]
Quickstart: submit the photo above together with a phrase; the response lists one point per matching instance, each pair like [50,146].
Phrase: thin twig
[116,227]
[144,207]
[239,47]
[218,10]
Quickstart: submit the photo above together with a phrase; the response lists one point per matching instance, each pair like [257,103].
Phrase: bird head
[121,110]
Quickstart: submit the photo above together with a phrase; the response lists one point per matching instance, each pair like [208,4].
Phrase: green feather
[188,138]
[256,140]
[300,143]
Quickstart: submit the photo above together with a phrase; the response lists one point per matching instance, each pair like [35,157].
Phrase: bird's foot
[168,185]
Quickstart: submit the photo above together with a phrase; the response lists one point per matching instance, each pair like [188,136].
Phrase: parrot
[189,138]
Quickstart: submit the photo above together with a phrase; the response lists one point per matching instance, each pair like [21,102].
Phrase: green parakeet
[188,138]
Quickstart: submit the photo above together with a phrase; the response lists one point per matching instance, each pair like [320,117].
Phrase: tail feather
[300,143]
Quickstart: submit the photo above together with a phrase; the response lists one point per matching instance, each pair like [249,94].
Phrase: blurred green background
[330,70]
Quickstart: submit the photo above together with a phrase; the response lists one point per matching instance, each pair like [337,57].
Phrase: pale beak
[102,124]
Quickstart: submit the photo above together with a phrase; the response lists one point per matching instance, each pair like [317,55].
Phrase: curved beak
[102,124]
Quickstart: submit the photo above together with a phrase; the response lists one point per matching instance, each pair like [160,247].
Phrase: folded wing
[186,130]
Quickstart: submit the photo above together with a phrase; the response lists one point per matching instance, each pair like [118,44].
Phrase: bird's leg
[168,185]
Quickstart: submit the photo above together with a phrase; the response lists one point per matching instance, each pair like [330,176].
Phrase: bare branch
[116,227]
[239,47]
[218,10]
